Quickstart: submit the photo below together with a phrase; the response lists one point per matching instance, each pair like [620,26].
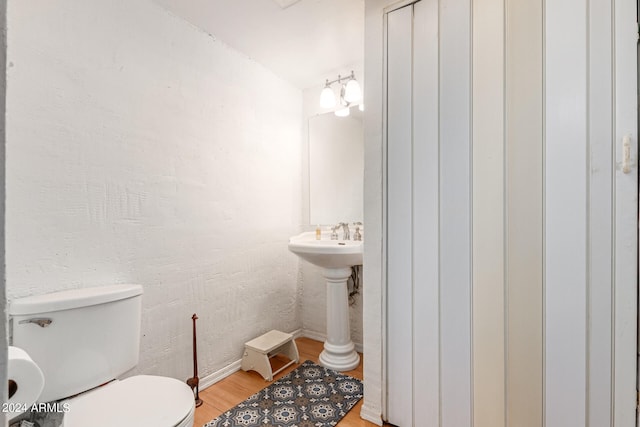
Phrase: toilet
[83,340]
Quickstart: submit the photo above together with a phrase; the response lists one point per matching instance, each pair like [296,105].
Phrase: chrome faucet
[357,235]
[334,232]
[345,231]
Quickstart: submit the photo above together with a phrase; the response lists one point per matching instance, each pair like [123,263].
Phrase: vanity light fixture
[327,97]
[350,92]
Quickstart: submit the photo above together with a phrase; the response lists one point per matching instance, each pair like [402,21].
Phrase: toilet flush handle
[43,322]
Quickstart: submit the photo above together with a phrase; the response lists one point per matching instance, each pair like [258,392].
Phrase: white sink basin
[326,253]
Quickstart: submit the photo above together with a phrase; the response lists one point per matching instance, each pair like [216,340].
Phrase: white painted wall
[143,150]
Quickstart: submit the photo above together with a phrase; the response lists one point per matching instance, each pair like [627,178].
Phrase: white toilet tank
[80,338]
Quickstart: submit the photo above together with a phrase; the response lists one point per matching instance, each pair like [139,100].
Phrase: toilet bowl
[143,400]
[83,340]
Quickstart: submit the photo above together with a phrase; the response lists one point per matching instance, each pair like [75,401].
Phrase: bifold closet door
[524,313]
[399,217]
[426,171]
[413,359]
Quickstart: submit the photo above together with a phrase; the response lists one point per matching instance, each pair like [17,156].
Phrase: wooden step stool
[258,351]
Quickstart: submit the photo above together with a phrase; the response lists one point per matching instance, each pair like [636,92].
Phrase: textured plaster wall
[142,150]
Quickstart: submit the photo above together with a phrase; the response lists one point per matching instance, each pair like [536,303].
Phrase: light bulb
[352,92]
[343,112]
[327,98]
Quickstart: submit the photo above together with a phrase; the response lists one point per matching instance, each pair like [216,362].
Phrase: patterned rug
[309,396]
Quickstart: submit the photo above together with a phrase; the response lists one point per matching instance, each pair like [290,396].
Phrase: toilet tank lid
[73,298]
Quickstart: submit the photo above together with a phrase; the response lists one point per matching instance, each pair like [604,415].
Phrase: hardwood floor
[237,387]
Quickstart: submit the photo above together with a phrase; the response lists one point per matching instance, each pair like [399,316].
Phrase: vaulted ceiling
[302,43]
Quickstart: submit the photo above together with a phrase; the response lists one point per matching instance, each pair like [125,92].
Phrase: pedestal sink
[336,257]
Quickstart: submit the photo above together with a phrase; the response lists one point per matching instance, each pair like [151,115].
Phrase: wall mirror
[336,168]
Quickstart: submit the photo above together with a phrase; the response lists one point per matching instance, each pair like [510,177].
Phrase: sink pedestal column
[339,352]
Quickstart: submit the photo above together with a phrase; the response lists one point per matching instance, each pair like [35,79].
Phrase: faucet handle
[345,230]
[357,235]
[334,232]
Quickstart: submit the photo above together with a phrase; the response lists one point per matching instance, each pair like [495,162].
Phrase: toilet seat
[142,400]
